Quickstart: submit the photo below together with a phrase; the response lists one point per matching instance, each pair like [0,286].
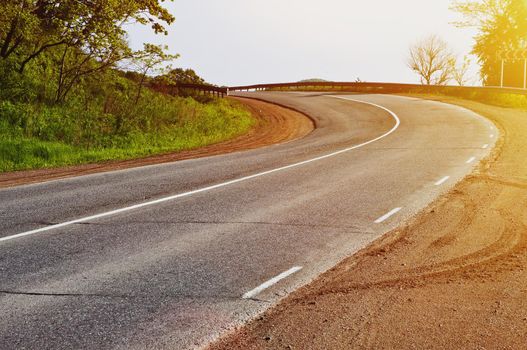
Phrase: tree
[459,70]
[29,28]
[151,59]
[502,26]
[183,76]
[431,59]
[74,64]
[170,83]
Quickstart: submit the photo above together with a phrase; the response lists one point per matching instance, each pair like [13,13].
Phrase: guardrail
[379,88]
[349,87]
[199,88]
[210,89]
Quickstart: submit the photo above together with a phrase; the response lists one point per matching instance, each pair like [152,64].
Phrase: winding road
[170,256]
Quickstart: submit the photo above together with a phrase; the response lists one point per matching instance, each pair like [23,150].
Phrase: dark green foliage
[183,76]
[169,81]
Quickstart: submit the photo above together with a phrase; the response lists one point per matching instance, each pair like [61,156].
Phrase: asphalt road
[195,259]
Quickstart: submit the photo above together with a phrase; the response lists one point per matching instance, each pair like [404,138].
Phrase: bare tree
[431,59]
[459,70]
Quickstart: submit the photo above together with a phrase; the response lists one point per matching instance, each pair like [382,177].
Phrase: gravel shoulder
[274,124]
[455,276]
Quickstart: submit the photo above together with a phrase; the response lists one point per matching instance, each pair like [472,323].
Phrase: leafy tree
[151,59]
[17,25]
[502,26]
[168,83]
[431,59]
[183,76]
[29,28]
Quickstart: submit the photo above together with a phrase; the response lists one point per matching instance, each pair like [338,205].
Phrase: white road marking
[470,160]
[491,136]
[252,293]
[209,188]
[442,181]
[387,215]
[485,146]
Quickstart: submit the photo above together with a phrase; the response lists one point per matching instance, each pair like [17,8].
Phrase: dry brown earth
[455,277]
[274,124]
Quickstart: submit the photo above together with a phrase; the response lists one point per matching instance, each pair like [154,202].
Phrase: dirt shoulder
[455,277]
[274,124]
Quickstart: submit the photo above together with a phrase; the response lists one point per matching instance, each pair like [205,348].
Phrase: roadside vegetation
[37,135]
[501,38]
[490,98]
[502,29]
[72,91]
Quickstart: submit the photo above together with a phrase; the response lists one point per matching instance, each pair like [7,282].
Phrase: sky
[237,42]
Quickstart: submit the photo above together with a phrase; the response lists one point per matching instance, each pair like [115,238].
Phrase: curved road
[171,255]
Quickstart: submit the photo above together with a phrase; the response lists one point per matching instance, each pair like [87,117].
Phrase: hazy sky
[231,42]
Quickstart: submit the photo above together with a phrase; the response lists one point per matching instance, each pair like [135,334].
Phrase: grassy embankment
[73,91]
[39,135]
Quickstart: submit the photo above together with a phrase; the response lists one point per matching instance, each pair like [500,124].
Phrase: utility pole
[502,71]
[525,72]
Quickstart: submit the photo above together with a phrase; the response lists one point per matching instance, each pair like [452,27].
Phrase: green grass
[36,136]
[493,99]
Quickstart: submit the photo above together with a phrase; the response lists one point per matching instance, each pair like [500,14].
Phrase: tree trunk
[60,82]
[140,89]
[5,51]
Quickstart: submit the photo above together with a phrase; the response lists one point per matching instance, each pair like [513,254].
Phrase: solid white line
[485,146]
[209,188]
[442,181]
[470,160]
[387,215]
[272,281]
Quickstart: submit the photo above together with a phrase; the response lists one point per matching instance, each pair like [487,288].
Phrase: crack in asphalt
[47,294]
[353,229]
[263,223]
[120,296]
[46,223]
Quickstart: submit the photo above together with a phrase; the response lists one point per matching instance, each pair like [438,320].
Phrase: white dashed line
[442,181]
[491,136]
[470,160]
[387,215]
[272,281]
[485,146]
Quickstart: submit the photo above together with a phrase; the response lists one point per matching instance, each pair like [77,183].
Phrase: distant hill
[312,81]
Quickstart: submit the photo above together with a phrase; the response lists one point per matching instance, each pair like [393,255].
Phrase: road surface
[172,255]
